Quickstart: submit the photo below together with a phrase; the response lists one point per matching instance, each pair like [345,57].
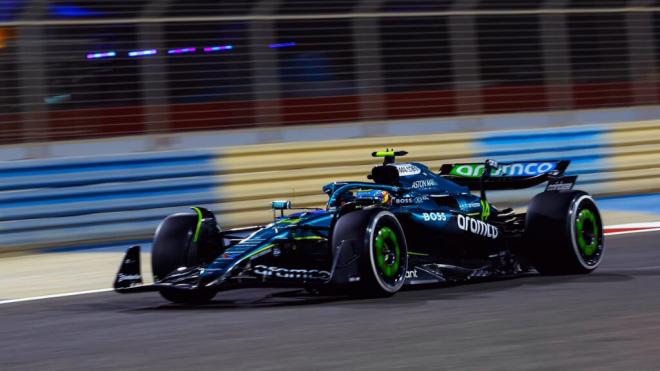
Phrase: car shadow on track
[257,299]
[272,298]
[476,289]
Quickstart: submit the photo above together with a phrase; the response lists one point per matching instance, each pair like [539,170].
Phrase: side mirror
[281,205]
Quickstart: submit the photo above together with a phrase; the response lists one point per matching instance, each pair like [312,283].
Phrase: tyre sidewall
[391,220]
[579,203]
[359,227]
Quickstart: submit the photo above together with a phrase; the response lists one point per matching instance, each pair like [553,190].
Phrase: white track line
[631,232]
[55,296]
[635,228]
[649,227]
[635,225]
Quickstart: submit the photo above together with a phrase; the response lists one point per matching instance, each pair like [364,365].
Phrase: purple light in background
[101,55]
[72,11]
[182,51]
[139,53]
[218,48]
[282,45]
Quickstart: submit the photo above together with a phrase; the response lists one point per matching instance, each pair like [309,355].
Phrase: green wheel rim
[588,232]
[387,252]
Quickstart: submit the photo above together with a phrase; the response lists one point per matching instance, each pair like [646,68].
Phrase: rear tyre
[564,233]
[173,247]
[383,251]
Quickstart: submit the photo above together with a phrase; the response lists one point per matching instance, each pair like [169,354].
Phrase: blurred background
[114,114]
[117,113]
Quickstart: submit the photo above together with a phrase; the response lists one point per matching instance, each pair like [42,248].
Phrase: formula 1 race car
[408,226]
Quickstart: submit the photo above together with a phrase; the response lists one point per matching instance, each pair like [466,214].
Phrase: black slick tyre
[172,248]
[383,250]
[564,233]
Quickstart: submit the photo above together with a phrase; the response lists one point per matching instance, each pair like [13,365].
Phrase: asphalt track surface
[608,320]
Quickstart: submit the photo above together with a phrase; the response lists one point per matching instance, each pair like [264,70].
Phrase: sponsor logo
[471,206]
[411,201]
[563,184]
[407,169]
[128,277]
[435,217]
[307,274]
[411,274]
[477,227]
[424,183]
[559,187]
[404,201]
[515,169]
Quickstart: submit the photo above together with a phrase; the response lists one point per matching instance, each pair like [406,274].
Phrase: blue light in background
[218,48]
[182,51]
[8,8]
[210,49]
[282,45]
[72,11]
[140,53]
[101,55]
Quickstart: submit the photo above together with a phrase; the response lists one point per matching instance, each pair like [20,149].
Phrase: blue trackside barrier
[45,203]
[59,203]
[21,175]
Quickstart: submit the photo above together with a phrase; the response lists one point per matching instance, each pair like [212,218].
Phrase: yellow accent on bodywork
[199,223]
[289,221]
[260,250]
[417,253]
[309,238]
[485,210]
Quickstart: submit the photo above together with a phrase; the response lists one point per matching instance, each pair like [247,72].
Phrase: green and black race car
[407,226]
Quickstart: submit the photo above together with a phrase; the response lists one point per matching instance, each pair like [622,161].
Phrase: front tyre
[564,232]
[172,248]
[383,250]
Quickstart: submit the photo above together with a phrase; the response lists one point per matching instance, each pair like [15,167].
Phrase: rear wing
[508,175]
